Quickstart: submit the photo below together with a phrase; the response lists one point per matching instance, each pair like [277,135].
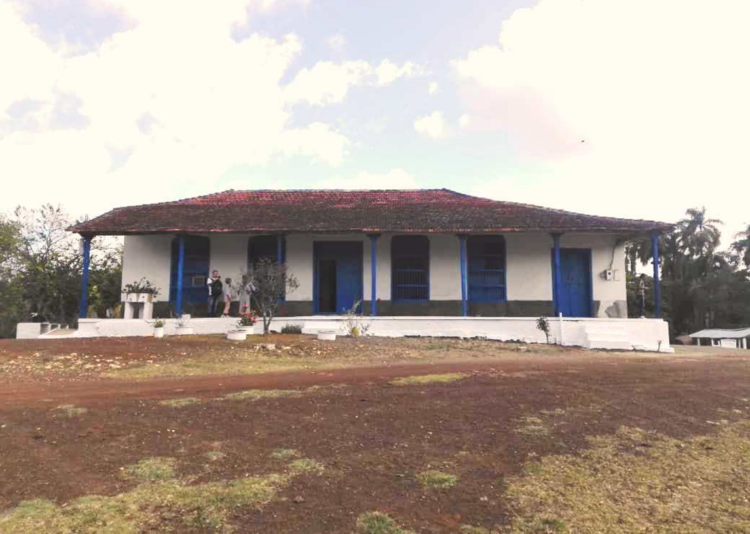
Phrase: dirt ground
[454,449]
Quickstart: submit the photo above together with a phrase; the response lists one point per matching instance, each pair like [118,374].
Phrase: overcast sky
[633,108]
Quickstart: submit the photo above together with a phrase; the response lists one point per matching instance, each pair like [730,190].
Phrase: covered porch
[518,274]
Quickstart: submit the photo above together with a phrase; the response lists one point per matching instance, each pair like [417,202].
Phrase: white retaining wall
[641,334]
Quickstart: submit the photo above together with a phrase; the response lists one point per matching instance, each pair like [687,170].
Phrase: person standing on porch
[227,297]
[641,294]
[245,292]
[215,293]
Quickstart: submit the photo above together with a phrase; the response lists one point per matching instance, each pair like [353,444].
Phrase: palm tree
[698,235]
[742,246]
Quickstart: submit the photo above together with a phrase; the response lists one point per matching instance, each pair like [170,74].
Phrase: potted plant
[247,322]
[182,326]
[140,291]
[158,328]
[237,335]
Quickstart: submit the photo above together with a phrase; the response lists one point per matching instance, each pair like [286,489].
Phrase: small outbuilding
[736,338]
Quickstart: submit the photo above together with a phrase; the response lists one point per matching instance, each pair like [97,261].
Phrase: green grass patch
[285,454]
[205,507]
[257,394]
[469,529]
[379,523]
[196,367]
[433,479]
[637,481]
[533,426]
[151,470]
[305,465]
[71,411]
[179,403]
[215,456]
[428,379]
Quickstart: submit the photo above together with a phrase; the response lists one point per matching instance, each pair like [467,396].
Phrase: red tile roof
[329,211]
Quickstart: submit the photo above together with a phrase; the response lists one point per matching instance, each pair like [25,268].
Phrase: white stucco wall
[528,266]
[529,270]
[229,255]
[445,267]
[150,257]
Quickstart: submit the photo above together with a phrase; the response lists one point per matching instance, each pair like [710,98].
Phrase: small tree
[543,324]
[271,281]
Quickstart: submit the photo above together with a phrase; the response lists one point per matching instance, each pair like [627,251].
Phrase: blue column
[657,281]
[84,307]
[374,273]
[464,281]
[180,274]
[280,258]
[557,279]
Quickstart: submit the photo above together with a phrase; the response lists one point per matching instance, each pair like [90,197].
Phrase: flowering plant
[247,318]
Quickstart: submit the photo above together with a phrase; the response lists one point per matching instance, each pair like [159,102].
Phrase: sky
[628,108]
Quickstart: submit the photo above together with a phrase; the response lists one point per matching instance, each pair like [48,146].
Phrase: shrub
[291,329]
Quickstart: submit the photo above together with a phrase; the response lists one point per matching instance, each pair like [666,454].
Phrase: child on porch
[227,297]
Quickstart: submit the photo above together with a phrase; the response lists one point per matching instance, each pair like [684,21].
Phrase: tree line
[703,286]
[41,265]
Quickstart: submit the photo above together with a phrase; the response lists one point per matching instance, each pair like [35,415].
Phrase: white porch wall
[528,266]
[150,257]
[445,267]
[229,255]
[529,269]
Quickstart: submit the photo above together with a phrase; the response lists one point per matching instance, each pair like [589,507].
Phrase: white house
[407,254]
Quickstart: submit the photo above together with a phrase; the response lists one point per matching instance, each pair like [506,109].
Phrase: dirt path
[108,391]
[373,438]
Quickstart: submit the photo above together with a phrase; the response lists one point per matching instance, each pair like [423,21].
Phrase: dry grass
[428,379]
[71,411]
[202,507]
[533,426]
[637,481]
[257,394]
[179,403]
[434,479]
[204,367]
[285,454]
[379,523]
[305,465]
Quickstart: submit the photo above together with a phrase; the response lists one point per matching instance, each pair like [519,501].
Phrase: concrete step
[315,327]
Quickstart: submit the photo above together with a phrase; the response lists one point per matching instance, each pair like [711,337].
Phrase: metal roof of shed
[716,333]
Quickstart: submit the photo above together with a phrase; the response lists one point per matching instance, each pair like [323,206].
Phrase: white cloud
[388,72]
[337,43]
[432,125]
[328,82]
[153,112]
[636,108]
[393,179]
[433,88]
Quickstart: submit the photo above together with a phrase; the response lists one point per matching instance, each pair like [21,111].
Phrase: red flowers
[248,318]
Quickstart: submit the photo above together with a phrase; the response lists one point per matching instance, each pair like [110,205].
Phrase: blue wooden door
[574,299]
[344,280]
[194,272]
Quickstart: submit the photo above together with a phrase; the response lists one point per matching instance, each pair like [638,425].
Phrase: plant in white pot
[158,325]
[182,326]
[247,322]
[139,299]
